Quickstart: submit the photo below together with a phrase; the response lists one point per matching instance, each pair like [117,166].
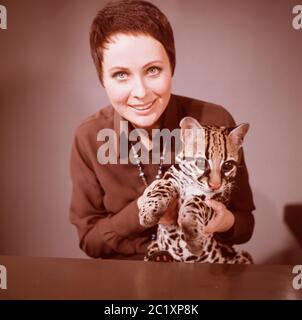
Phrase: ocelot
[205,169]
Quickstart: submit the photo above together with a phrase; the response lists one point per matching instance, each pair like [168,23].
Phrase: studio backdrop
[242,54]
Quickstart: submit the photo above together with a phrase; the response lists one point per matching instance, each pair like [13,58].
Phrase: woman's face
[137,78]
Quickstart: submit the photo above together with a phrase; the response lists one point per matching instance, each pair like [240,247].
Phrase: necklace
[141,173]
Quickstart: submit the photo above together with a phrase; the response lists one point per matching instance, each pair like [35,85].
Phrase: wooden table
[58,278]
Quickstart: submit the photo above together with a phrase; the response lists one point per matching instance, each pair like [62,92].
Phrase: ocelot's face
[215,170]
[218,173]
[215,155]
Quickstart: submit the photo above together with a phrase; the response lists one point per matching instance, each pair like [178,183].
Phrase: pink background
[244,55]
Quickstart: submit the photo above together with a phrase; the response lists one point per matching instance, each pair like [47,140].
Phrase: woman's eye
[154,71]
[120,75]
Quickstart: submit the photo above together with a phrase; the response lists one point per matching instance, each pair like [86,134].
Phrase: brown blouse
[103,204]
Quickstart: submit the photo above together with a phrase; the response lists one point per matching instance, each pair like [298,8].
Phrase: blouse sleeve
[101,233]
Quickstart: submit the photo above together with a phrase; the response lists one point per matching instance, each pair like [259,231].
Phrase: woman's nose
[139,88]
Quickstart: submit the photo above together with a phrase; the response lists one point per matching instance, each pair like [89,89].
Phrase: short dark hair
[130,17]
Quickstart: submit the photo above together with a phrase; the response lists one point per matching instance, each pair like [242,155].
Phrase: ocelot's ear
[237,135]
[187,126]
[189,123]
[192,137]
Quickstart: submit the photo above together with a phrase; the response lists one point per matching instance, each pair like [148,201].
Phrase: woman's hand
[171,214]
[223,219]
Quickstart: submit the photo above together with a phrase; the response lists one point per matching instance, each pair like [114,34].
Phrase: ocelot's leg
[242,257]
[192,218]
[155,201]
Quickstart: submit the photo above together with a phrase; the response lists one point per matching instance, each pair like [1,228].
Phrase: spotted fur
[206,169]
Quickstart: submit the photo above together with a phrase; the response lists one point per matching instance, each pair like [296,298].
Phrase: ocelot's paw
[155,201]
[193,237]
[190,220]
[151,211]
[245,258]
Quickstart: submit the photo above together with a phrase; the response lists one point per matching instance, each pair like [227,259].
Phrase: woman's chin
[146,122]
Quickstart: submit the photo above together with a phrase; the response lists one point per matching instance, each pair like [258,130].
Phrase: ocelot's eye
[228,166]
[206,165]
[202,164]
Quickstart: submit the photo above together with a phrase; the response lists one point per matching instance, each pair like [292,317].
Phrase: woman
[133,49]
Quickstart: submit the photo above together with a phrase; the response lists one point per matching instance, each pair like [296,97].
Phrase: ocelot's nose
[214,186]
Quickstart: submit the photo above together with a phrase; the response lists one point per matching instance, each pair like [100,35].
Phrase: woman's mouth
[142,107]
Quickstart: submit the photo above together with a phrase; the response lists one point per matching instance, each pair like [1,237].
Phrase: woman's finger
[215,223]
[215,205]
